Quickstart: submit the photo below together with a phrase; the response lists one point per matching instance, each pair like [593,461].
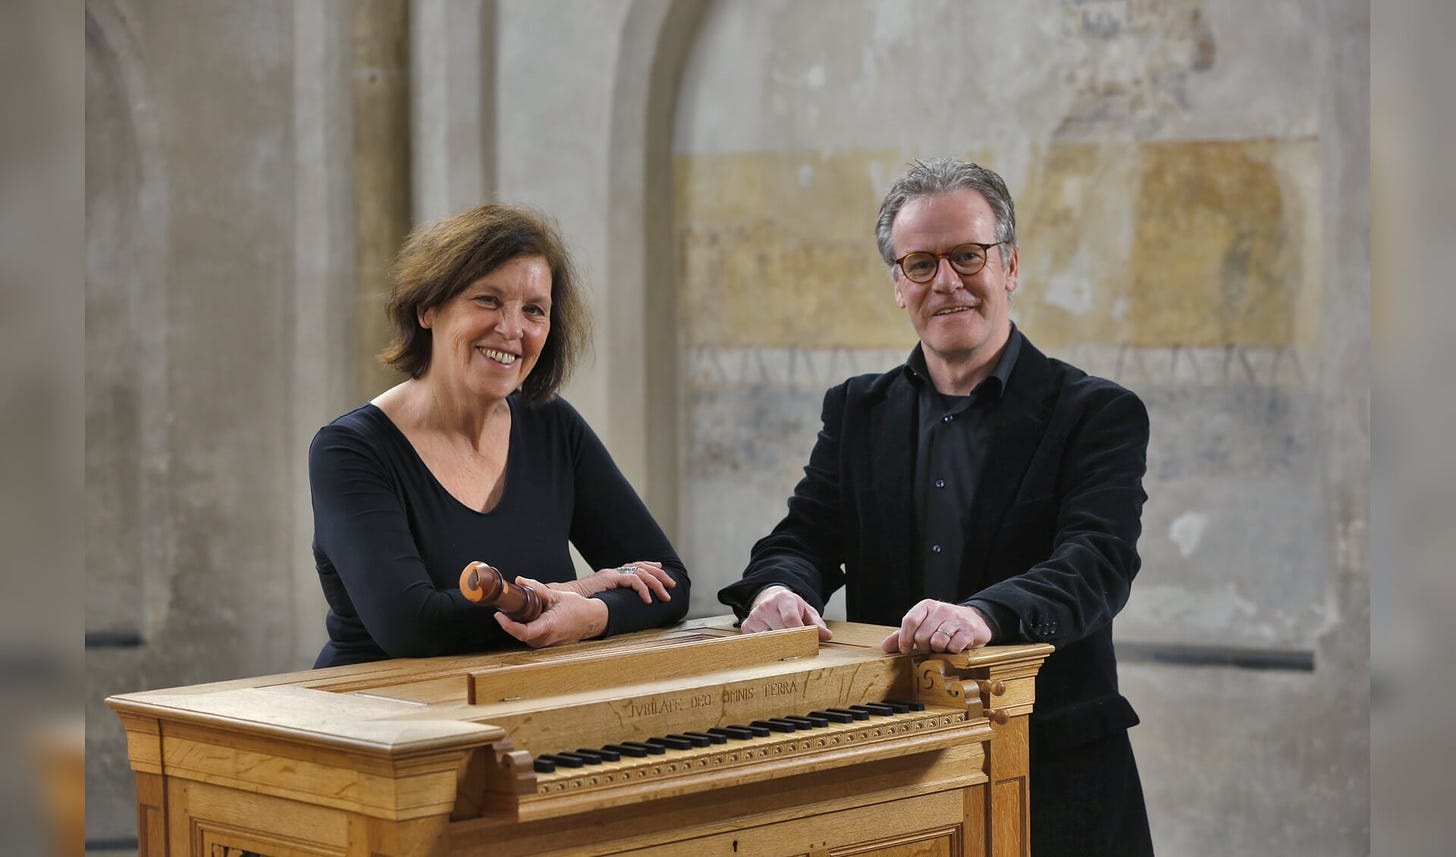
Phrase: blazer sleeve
[1086,579]
[611,526]
[361,525]
[804,552]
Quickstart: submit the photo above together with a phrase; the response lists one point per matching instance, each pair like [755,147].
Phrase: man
[980,493]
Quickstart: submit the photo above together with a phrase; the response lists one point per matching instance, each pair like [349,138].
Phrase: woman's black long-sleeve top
[390,541]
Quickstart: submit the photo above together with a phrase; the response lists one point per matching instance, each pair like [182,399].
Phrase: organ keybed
[692,740]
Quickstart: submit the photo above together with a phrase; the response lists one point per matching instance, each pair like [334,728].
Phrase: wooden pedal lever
[484,584]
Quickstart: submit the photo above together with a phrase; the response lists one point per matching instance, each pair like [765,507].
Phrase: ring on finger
[627,569]
[942,630]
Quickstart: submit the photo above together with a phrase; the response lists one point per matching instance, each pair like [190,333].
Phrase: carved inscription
[737,694]
[767,690]
[781,688]
[667,703]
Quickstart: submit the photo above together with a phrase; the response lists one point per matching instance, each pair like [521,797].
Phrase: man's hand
[778,607]
[936,626]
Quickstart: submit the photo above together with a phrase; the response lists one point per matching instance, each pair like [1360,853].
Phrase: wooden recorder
[484,584]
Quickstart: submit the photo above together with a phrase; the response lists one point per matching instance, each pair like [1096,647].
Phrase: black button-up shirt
[950,457]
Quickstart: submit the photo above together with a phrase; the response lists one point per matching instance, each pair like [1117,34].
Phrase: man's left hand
[937,626]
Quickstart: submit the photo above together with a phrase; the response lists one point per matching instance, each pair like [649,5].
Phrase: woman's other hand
[566,616]
[644,576]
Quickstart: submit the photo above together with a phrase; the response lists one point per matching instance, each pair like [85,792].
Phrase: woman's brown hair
[440,261]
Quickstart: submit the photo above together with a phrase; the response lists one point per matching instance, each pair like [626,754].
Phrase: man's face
[961,320]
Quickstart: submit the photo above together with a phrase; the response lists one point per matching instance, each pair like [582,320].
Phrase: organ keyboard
[693,739]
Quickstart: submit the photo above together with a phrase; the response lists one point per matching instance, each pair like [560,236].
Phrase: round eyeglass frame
[985,256]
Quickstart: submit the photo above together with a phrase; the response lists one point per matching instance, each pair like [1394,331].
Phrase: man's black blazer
[1052,544]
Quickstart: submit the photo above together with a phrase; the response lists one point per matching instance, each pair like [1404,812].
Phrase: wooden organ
[690,740]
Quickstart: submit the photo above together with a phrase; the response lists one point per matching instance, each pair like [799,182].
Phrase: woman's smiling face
[488,338]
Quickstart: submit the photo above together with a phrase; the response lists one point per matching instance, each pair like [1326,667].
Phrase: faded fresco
[1186,265]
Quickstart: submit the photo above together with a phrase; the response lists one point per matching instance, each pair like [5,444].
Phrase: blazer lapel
[892,470]
[1016,428]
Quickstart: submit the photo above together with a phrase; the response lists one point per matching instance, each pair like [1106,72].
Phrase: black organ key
[626,749]
[757,727]
[818,721]
[695,739]
[584,758]
[898,707]
[834,715]
[801,722]
[604,754]
[737,733]
[543,766]
[710,736]
[654,749]
[910,704]
[874,708]
[562,761]
[672,742]
[775,724]
[856,712]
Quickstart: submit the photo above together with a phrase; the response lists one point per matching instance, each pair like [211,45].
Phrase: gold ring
[945,632]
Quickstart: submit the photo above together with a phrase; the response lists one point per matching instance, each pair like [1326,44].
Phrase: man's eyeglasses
[967,259]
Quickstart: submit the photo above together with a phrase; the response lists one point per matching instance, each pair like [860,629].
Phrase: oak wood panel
[881,829]
[404,758]
[1010,792]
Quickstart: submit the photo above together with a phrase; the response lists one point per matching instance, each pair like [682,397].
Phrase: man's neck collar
[960,379]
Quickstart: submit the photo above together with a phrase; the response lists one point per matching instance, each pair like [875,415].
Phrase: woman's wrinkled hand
[566,617]
[645,576]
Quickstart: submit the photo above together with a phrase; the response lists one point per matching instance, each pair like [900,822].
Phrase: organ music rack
[749,744]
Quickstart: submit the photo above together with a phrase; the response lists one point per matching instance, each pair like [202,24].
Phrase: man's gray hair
[938,175]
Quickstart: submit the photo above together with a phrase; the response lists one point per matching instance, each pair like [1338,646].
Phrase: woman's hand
[566,617]
[645,576]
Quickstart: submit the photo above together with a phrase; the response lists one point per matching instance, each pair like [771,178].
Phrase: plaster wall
[1190,179]
[217,244]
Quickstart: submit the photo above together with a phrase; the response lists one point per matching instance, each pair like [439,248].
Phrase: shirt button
[948,417]
[940,483]
[935,548]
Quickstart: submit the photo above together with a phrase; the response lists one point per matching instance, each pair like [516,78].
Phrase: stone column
[381,172]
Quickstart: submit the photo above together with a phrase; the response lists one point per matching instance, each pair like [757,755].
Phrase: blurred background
[1193,183]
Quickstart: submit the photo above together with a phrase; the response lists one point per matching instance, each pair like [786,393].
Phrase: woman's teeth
[499,356]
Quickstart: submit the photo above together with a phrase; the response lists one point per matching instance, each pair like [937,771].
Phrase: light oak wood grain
[436,757]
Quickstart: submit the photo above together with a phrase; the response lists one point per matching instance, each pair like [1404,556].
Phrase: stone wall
[1191,181]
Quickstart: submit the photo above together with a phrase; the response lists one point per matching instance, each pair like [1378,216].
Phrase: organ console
[688,740]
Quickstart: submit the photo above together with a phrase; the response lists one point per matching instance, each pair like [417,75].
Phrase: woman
[474,457]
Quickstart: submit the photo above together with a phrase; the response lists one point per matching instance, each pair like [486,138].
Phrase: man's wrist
[764,593]
[999,620]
